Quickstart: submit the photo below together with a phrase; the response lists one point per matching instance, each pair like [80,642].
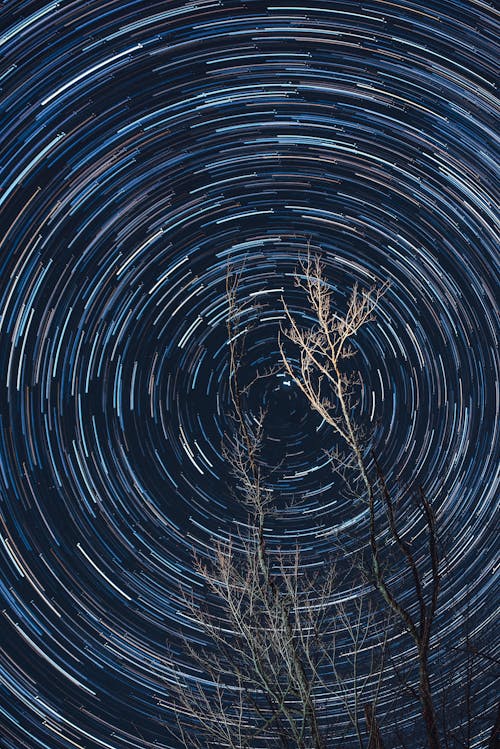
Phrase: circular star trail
[144,148]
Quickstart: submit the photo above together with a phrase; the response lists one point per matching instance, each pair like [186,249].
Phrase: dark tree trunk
[375,737]
[428,712]
[494,742]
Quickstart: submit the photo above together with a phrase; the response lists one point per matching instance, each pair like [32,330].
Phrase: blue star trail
[143,148]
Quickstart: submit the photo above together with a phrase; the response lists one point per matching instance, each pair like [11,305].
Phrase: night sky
[143,147]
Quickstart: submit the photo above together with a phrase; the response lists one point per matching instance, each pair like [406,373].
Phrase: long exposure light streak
[143,147]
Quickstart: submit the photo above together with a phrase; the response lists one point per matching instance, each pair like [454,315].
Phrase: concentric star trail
[144,147]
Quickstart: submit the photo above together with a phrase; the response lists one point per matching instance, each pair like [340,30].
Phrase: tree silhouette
[279,645]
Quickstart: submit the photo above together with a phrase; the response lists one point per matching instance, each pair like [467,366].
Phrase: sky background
[143,147]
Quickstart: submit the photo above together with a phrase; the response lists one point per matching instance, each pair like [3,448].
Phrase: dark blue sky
[143,147]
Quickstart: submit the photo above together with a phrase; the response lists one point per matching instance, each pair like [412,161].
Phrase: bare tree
[271,659]
[275,648]
[315,358]
[321,351]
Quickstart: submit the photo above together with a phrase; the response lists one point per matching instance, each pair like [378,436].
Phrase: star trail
[144,147]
